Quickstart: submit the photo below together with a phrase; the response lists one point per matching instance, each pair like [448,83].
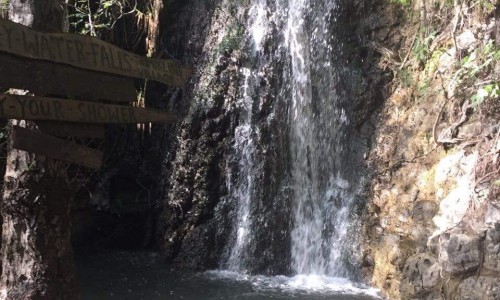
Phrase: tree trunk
[36,250]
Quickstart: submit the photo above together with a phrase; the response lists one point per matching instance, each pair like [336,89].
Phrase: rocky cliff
[202,167]
[432,221]
[421,81]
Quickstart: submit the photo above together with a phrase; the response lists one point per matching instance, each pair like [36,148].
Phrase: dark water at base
[142,275]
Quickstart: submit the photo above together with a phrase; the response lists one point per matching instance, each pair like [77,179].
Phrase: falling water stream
[244,147]
[321,181]
[317,121]
[322,198]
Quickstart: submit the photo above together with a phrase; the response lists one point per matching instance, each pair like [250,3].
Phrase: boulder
[454,175]
[481,288]
[492,249]
[466,40]
[492,214]
[460,254]
[421,276]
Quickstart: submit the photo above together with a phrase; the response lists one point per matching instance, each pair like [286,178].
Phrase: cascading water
[242,192]
[318,121]
[321,178]
[291,174]
[244,147]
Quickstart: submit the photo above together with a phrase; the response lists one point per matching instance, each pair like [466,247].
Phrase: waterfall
[242,192]
[318,122]
[320,175]
[244,147]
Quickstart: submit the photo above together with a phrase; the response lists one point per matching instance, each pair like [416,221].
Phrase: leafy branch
[91,17]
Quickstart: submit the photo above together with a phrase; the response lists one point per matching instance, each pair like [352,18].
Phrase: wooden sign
[39,108]
[88,53]
[43,77]
[79,130]
[43,144]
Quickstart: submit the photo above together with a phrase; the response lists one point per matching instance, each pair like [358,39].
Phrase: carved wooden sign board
[87,53]
[76,67]
[40,108]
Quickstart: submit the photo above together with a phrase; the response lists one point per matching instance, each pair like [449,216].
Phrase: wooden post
[36,250]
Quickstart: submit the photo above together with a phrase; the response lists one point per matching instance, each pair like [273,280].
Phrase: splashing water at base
[312,285]
[142,275]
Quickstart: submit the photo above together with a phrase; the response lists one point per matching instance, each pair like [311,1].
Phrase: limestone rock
[447,59]
[492,214]
[481,288]
[492,249]
[420,276]
[424,211]
[461,254]
[465,40]
[470,130]
[455,172]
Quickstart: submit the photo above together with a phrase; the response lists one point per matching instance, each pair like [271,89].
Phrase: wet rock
[421,276]
[482,287]
[461,254]
[492,249]
[368,260]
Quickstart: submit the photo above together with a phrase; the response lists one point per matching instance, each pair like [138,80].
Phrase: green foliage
[479,64]
[421,49]
[479,60]
[487,6]
[440,4]
[232,39]
[4,8]
[401,2]
[406,78]
[486,92]
[423,88]
[93,18]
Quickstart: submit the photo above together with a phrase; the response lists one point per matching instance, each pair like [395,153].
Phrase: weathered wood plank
[43,77]
[39,108]
[43,144]
[65,129]
[88,53]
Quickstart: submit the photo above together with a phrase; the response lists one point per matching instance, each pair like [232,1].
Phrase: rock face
[461,254]
[492,249]
[431,225]
[481,287]
[201,170]
[431,219]
[195,182]
[421,276]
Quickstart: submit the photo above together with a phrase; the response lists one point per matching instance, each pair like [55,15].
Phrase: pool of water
[142,275]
